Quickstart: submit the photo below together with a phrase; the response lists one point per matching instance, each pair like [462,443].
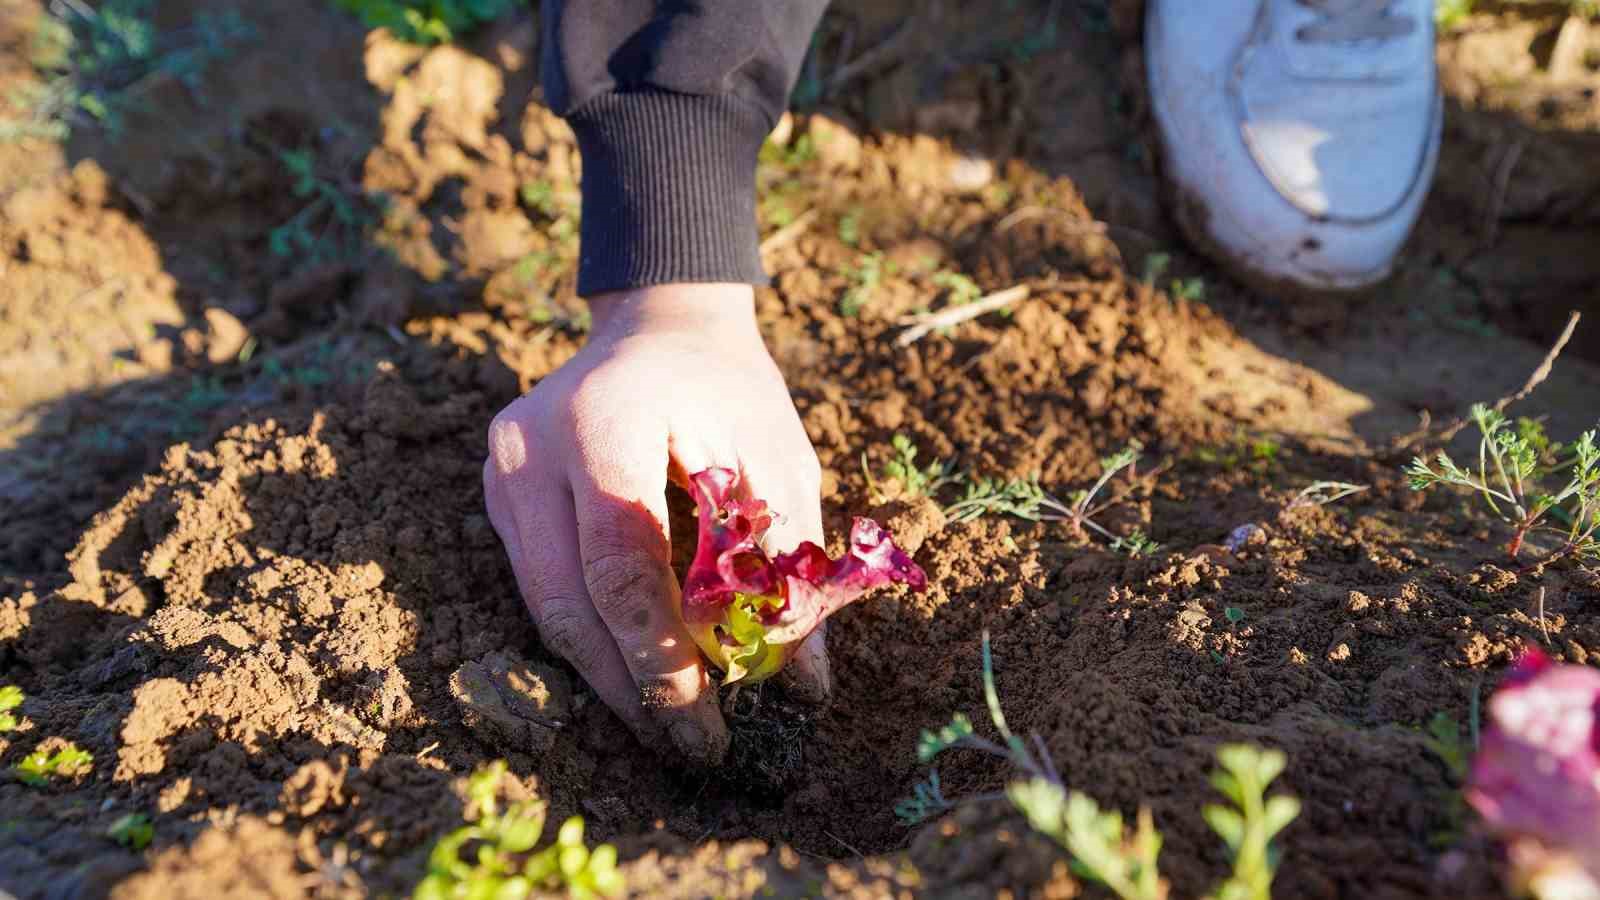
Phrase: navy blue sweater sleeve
[670,101]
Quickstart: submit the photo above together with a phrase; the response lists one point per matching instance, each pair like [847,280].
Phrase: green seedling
[793,155]
[427,21]
[1442,736]
[925,802]
[1233,614]
[1155,265]
[494,856]
[914,481]
[334,222]
[39,767]
[133,831]
[1101,848]
[1026,499]
[10,698]
[960,290]
[95,63]
[1322,493]
[1252,821]
[1188,288]
[1514,465]
[865,279]
[850,227]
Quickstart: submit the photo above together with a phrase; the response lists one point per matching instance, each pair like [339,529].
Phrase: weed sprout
[1513,464]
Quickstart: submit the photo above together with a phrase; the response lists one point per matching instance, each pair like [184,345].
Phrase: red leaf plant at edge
[1536,777]
[749,611]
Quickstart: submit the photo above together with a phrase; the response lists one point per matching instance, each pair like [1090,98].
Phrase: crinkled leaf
[747,610]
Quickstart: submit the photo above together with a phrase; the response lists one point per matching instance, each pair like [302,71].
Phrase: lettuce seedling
[749,611]
[133,831]
[1536,777]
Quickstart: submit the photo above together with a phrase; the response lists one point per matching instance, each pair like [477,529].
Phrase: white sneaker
[1300,135]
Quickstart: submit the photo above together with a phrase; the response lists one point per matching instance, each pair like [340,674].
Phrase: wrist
[719,311]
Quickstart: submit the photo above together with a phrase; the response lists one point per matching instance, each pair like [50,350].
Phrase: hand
[672,377]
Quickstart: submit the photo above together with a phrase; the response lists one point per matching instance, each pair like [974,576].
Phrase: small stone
[506,700]
[837,146]
[225,336]
[1339,652]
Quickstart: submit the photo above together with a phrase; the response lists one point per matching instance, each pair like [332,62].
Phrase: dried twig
[788,233]
[1542,625]
[1448,432]
[955,315]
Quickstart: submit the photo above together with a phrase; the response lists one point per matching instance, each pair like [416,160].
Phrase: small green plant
[95,62]
[133,831]
[914,481]
[1233,614]
[1155,265]
[1026,499]
[10,698]
[427,21]
[926,801]
[494,856]
[1101,848]
[1252,820]
[793,155]
[334,222]
[1188,288]
[960,290]
[1514,463]
[850,227]
[1443,738]
[865,278]
[38,767]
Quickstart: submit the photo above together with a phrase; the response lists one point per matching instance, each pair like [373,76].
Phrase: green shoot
[10,698]
[1322,493]
[332,224]
[426,21]
[865,278]
[926,801]
[914,481]
[1444,740]
[96,61]
[1155,265]
[961,289]
[1102,850]
[1233,614]
[39,767]
[1026,499]
[494,856]
[1513,465]
[1252,821]
[133,831]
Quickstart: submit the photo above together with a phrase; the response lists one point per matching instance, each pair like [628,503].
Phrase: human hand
[674,379]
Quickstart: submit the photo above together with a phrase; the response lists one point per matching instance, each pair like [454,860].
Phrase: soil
[245,560]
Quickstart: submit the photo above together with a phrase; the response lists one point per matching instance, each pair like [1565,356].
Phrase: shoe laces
[1354,20]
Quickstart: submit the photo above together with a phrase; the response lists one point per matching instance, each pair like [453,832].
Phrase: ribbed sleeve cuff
[668,190]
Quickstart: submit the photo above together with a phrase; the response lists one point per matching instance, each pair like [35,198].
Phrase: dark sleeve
[670,101]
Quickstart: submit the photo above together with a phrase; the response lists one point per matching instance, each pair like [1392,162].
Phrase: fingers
[789,479]
[538,527]
[619,493]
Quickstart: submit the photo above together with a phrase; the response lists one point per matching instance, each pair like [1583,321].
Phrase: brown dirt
[260,587]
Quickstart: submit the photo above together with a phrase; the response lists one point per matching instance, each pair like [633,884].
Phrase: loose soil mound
[295,632]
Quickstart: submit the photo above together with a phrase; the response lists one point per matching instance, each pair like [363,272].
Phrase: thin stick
[1543,626]
[955,315]
[1449,431]
[787,234]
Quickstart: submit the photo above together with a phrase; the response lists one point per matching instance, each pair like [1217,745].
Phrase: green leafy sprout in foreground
[10,699]
[1026,499]
[494,857]
[39,767]
[1516,463]
[1101,848]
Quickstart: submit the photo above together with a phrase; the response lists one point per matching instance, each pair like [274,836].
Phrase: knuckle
[621,581]
[569,634]
[508,442]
